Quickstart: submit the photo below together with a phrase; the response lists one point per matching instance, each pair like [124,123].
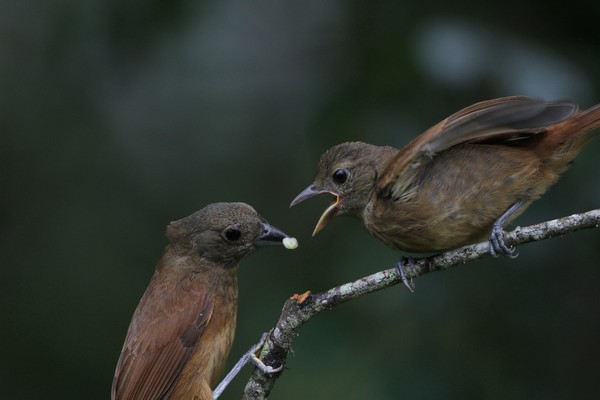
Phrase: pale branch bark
[297,310]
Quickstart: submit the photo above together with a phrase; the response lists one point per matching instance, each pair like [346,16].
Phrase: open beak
[270,236]
[328,214]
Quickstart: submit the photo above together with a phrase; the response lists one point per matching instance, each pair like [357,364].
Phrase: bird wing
[494,121]
[160,341]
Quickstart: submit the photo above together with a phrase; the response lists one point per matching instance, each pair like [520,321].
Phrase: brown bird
[461,180]
[183,327]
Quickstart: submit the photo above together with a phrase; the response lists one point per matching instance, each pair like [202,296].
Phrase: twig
[299,309]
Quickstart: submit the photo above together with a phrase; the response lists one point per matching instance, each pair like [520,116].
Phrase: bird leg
[250,356]
[401,265]
[497,245]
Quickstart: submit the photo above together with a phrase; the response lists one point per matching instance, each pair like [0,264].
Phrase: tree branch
[300,308]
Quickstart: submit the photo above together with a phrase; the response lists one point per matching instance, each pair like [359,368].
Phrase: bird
[460,181]
[183,327]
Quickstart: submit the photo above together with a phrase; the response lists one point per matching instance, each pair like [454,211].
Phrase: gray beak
[307,194]
[270,236]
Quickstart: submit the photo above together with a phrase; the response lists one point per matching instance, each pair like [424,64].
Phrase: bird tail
[568,138]
[586,123]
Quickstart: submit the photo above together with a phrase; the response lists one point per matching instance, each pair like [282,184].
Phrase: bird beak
[307,193]
[328,214]
[270,236]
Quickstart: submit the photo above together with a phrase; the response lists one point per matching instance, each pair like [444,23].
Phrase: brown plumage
[460,180]
[183,327]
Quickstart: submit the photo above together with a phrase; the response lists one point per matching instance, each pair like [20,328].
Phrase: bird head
[224,232]
[348,172]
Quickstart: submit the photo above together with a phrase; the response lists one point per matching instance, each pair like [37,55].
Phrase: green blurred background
[117,117]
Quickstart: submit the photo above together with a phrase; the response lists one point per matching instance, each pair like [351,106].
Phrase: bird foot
[267,369]
[497,245]
[406,263]
[250,356]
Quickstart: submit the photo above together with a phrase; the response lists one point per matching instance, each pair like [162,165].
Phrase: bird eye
[340,175]
[232,234]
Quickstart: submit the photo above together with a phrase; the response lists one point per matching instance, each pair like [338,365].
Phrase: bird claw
[249,356]
[400,266]
[497,245]
[267,369]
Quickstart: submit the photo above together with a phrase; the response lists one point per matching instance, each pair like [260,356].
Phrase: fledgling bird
[183,327]
[459,181]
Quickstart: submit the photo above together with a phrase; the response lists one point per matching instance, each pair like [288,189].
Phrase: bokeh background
[117,117]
